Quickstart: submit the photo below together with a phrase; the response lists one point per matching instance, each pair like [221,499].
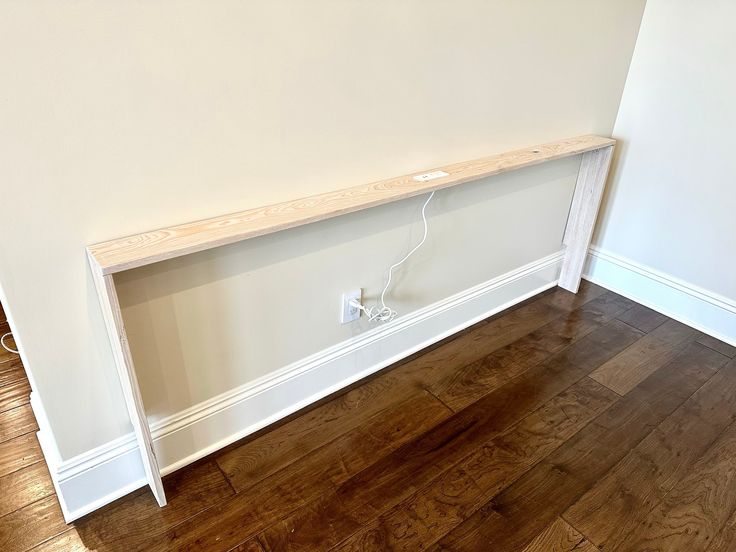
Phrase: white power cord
[2,342]
[383,313]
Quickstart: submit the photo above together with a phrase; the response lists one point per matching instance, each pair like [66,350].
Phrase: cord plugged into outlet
[352,304]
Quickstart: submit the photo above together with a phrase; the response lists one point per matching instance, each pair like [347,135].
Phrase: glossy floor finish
[29,511]
[570,422]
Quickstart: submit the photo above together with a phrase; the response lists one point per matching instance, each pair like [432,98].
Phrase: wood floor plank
[469,383]
[252,545]
[16,422]
[241,517]
[498,332]
[643,318]
[514,517]
[15,394]
[568,301]
[625,371]
[256,460]
[436,509]
[692,514]
[718,345]
[19,453]
[725,539]
[69,541]
[31,525]
[124,524]
[11,371]
[22,487]
[263,456]
[387,483]
[560,537]
[650,470]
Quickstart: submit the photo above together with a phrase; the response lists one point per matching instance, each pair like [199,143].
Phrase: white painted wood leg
[128,380]
[583,212]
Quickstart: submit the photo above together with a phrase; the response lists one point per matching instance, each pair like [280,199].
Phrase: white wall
[668,231]
[119,117]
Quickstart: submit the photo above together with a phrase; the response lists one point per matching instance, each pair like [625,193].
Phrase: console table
[122,254]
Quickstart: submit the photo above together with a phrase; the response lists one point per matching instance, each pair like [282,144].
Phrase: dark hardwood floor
[568,423]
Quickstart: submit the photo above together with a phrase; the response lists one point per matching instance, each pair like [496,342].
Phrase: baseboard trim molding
[105,473]
[704,310]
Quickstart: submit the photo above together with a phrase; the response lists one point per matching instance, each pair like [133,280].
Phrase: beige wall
[671,206]
[119,117]
[206,323]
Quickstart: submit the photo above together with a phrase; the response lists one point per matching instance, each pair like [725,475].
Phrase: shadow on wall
[609,193]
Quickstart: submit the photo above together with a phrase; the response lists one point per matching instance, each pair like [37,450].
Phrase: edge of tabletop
[98,252]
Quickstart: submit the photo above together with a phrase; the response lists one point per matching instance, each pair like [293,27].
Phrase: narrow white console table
[113,256]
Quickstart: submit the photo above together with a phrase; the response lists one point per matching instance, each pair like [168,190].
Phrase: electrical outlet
[430,176]
[348,313]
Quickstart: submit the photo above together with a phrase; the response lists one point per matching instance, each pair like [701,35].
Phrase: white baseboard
[99,476]
[704,310]
[105,473]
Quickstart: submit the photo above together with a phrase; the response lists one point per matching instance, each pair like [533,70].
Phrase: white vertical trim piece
[96,477]
[49,450]
[113,317]
[704,310]
[583,213]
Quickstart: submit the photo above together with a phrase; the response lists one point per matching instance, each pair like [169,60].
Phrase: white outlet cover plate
[347,313]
